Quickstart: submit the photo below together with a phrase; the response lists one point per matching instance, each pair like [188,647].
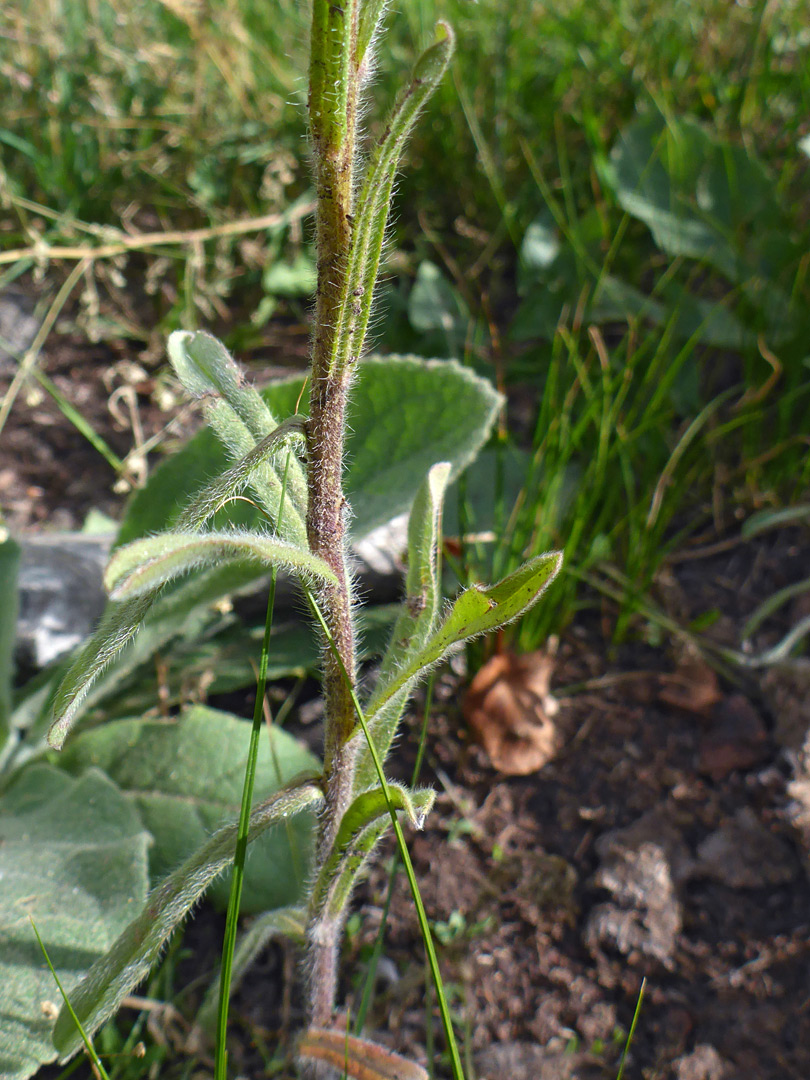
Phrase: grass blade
[91,1050]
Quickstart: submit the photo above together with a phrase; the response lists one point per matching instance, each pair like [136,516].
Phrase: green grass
[169,116]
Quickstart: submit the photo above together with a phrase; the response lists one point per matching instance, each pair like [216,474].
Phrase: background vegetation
[604,210]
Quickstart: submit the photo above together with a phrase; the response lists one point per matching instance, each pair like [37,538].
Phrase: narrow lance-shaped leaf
[212,497]
[144,565]
[135,952]
[119,625]
[360,828]
[240,418]
[288,922]
[371,15]
[477,610]
[374,200]
[359,1059]
[418,617]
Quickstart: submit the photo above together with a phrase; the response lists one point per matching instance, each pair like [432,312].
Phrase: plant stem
[333,92]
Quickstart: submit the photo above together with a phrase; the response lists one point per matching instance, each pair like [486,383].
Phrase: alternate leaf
[478,610]
[145,565]
[374,199]
[360,829]
[119,624]
[359,1059]
[185,777]
[232,482]
[137,949]
[240,418]
[207,370]
[418,616]
[404,415]
[73,856]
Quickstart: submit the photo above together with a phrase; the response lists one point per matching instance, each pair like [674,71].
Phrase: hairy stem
[333,93]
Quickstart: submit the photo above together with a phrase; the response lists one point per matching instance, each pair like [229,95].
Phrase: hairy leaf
[73,857]
[477,610]
[232,482]
[356,1058]
[145,565]
[374,200]
[118,626]
[135,952]
[185,777]
[241,419]
[360,828]
[418,617]
[405,414]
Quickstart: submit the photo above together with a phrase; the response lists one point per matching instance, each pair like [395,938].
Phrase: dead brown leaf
[509,709]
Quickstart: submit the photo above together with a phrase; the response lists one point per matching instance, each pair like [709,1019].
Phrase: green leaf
[208,502]
[185,776]
[145,565]
[9,563]
[187,610]
[478,610]
[118,626]
[289,922]
[74,858]
[360,828]
[240,418]
[374,201]
[419,612]
[699,197]
[405,414]
[435,305]
[137,949]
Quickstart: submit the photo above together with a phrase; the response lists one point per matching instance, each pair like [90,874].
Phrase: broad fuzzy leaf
[73,857]
[146,565]
[135,952]
[478,610]
[186,777]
